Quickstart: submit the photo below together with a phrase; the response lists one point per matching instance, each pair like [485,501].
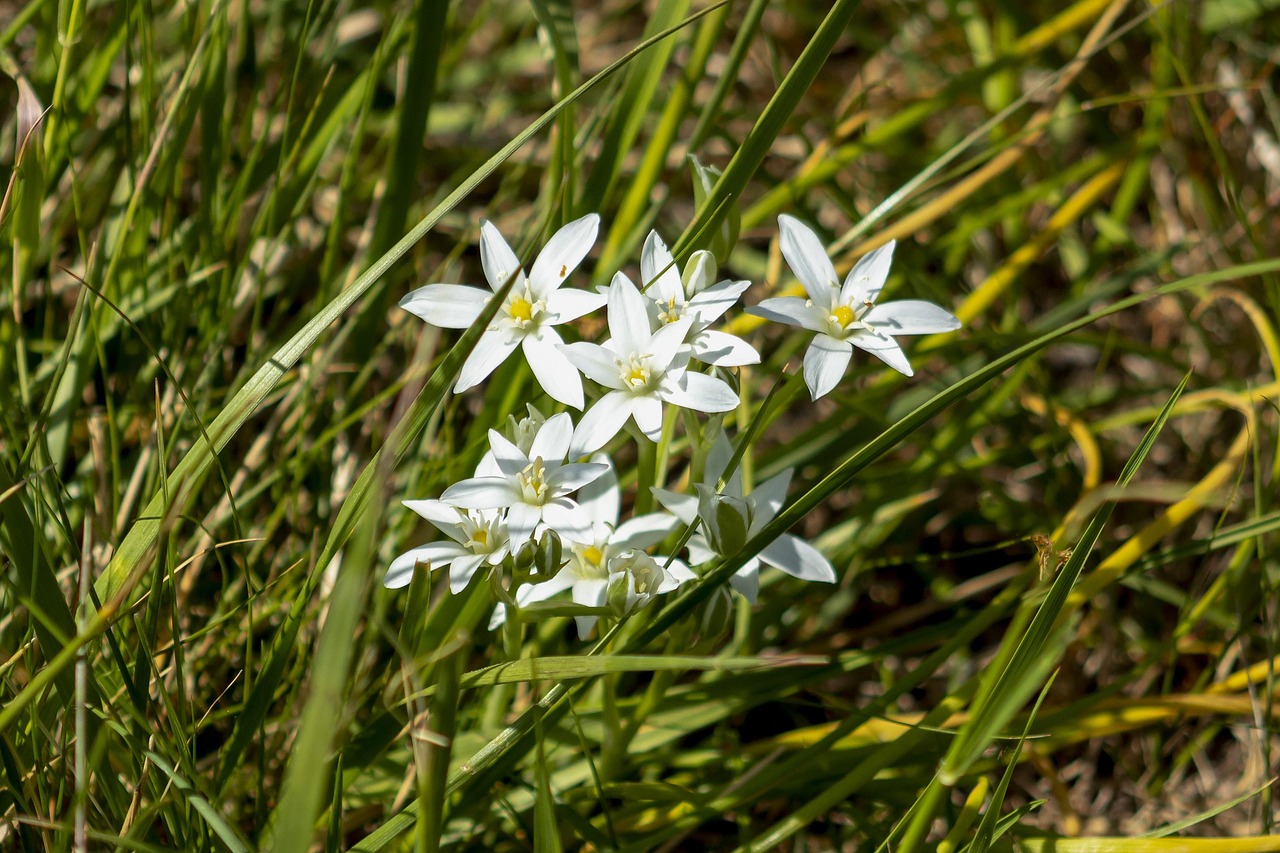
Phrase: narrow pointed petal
[601,499]
[569,303]
[568,519]
[710,305]
[491,350]
[600,423]
[824,364]
[642,531]
[746,581]
[522,518]
[723,349]
[659,275]
[700,552]
[596,363]
[799,559]
[481,493]
[628,317]
[447,306]
[683,507]
[701,393]
[768,498]
[435,554]
[496,257]
[648,414]
[677,573]
[808,259]
[718,458]
[509,459]
[793,311]
[554,372]
[911,317]
[666,342]
[552,441]
[590,593]
[575,475]
[444,517]
[562,254]
[462,570]
[884,348]
[866,279]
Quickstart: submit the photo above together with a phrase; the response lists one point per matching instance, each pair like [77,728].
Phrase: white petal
[658,273]
[866,279]
[718,458]
[648,414]
[723,349]
[700,552]
[522,518]
[768,498]
[552,441]
[444,517]
[628,318]
[701,393]
[645,530]
[448,306]
[799,559]
[437,554]
[698,271]
[884,348]
[563,252]
[575,475]
[824,364]
[569,520]
[808,259]
[709,305]
[683,507]
[600,423]
[911,317]
[510,459]
[491,350]
[555,373]
[793,311]
[597,363]
[481,493]
[496,257]
[746,581]
[665,343]
[676,574]
[463,570]
[569,303]
[590,593]
[601,499]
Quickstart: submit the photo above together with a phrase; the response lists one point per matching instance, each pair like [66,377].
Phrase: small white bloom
[846,317]
[586,572]
[534,306]
[476,538]
[672,298]
[643,369]
[787,553]
[533,486]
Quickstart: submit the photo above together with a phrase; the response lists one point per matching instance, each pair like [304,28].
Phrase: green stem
[442,724]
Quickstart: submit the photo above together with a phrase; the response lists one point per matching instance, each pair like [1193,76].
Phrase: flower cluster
[542,515]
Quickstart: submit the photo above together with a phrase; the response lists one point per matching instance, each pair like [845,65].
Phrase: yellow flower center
[521,309]
[843,315]
[593,555]
[481,538]
[670,312]
[533,487]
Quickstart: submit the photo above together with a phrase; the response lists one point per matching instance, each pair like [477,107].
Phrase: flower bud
[699,273]
[523,431]
[726,520]
[715,617]
[548,557]
[634,579]
[725,237]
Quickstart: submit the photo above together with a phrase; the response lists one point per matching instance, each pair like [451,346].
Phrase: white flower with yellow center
[534,306]
[846,317]
[476,538]
[532,486]
[642,370]
[671,298]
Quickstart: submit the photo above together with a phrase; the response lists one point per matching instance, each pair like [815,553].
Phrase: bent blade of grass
[143,536]
[997,704]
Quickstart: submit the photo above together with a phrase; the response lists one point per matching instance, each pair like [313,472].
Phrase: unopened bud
[522,431]
[699,273]
[725,236]
[726,520]
[634,579]
[548,559]
[715,616]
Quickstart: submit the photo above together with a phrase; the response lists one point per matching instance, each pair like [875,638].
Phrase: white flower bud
[726,519]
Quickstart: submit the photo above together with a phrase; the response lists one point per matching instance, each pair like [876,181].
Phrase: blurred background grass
[211,177]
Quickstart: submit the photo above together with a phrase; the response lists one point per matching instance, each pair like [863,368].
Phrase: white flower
[476,538]
[533,307]
[533,487]
[787,553]
[846,317]
[587,572]
[671,299]
[643,369]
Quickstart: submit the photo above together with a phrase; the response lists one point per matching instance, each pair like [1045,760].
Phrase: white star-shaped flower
[533,487]
[672,298]
[787,553]
[643,369]
[846,317]
[476,538]
[534,306]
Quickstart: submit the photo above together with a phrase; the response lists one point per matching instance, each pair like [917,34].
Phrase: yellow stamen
[843,315]
[593,555]
[481,537]
[521,309]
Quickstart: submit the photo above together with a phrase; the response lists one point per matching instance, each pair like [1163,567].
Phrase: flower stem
[441,726]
